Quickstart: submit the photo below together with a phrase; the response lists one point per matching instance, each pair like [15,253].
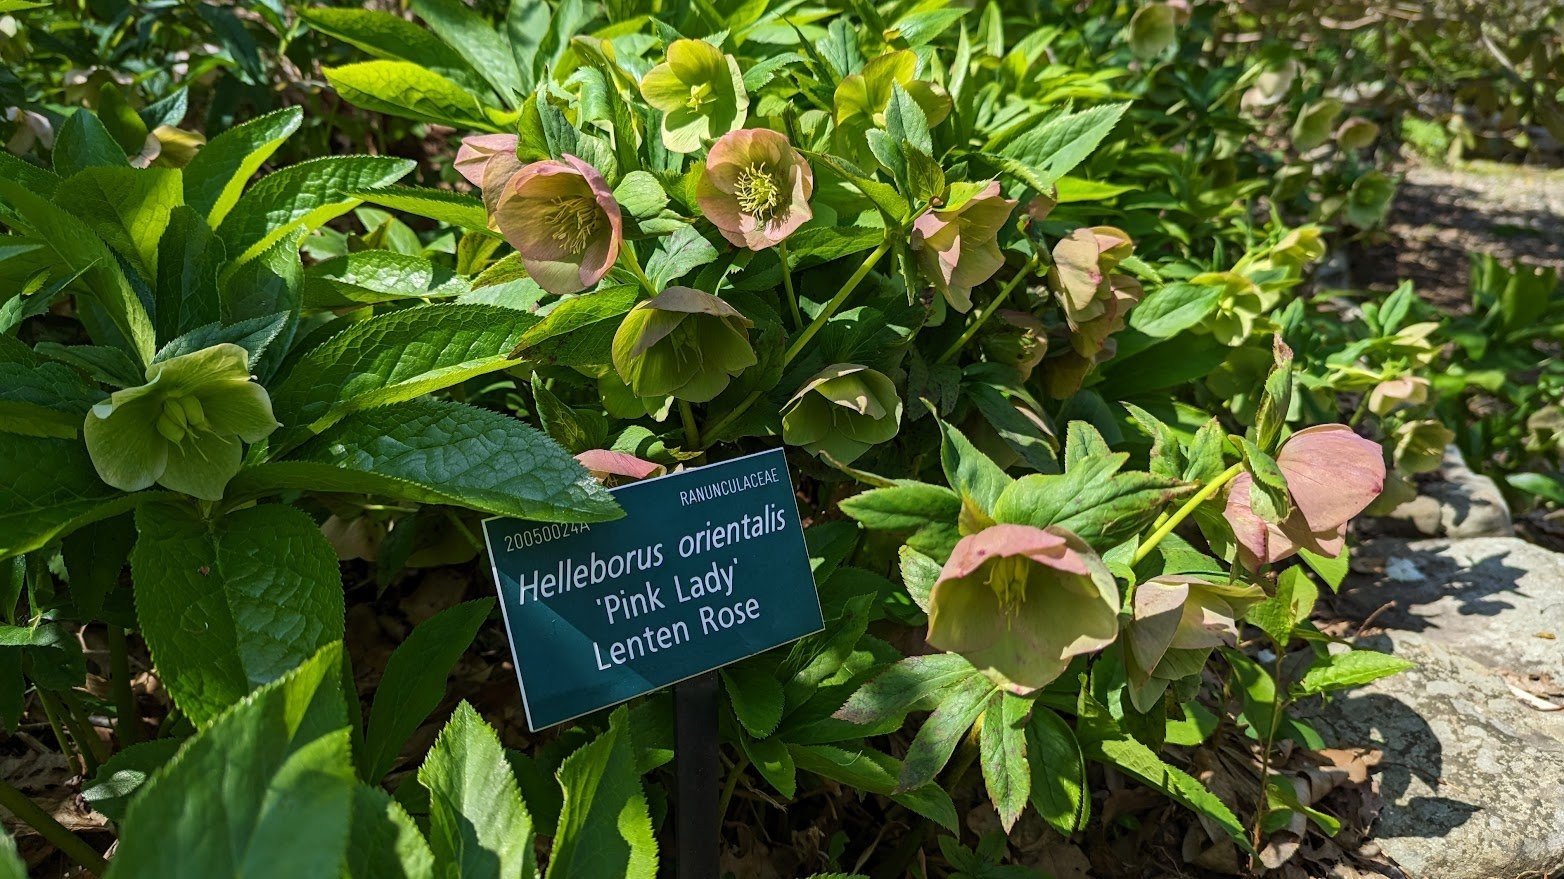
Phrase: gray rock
[1495,599]
[1473,780]
[1453,502]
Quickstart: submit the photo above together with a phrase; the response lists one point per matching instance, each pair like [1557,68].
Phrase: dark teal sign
[707,567]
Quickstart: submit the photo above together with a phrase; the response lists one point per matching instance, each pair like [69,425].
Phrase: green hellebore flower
[1238,308]
[1420,446]
[1313,125]
[1176,623]
[700,92]
[1369,200]
[1020,602]
[861,99]
[1154,27]
[682,343]
[842,411]
[185,428]
[1299,247]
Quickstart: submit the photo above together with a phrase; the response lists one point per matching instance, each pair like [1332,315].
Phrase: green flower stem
[787,284]
[73,846]
[633,266]
[1204,494]
[68,746]
[692,434]
[734,774]
[81,729]
[989,309]
[836,302]
[128,725]
[794,349]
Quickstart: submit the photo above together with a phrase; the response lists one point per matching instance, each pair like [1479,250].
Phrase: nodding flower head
[957,246]
[185,428]
[842,411]
[1020,602]
[682,343]
[755,188]
[562,219]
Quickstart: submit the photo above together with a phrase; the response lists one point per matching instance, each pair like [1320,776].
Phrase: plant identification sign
[706,567]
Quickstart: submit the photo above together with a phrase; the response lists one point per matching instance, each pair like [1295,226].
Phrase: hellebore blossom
[1420,446]
[1332,475]
[185,428]
[1356,133]
[1019,341]
[755,188]
[1154,27]
[1408,390]
[700,92]
[842,411]
[1096,300]
[1177,621]
[958,245]
[562,218]
[1298,247]
[1313,125]
[1369,200]
[862,98]
[1020,602]
[488,161]
[682,343]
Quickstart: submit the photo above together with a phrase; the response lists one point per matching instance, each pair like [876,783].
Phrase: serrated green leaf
[126,207]
[414,682]
[774,762]
[383,842]
[905,505]
[217,175]
[411,91]
[919,573]
[265,790]
[48,487]
[1063,141]
[917,683]
[479,43]
[1092,498]
[1351,669]
[82,142]
[1003,755]
[384,35]
[1059,788]
[117,780]
[302,197]
[937,738]
[755,694]
[48,400]
[867,769]
[462,211]
[1173,308]
[394,357]
[478,825]
[579,331]
[227,605]
[605,828]
[973,476]
[440,453]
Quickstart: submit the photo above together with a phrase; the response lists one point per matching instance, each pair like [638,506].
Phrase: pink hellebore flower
[755,188]
[563,220]
[1332,475]
[488,161]
[958,246]
[1177,621]
[1020,602]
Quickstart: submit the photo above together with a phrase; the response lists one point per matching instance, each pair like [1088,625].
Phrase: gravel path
[1442,214]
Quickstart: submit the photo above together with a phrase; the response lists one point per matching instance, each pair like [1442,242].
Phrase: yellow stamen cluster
[573,220]
[1007,577]
[757,191]
[699,95]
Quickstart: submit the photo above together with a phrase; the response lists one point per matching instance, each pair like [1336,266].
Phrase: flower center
[1007,577]
[699,95]
[573,220]
[181,417]
[757,191]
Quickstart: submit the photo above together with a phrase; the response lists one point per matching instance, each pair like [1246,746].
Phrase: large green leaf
[49,399]
[1003,755]
[401,88]
[1058,772]
[605,829]
[478,826]
[265,790]
[485,50]
[229,604]
[579,331]
[369,277]
[302,196]
[414,682]
[383,35]
[126,207]
[394,357]
[465,212]
[108,305]
[84,142]
[1352,668]
[47,488]
[867,769]
[1053,149]
[1091,498]
[936,740]
[441,453]
[384,843]
[218,173]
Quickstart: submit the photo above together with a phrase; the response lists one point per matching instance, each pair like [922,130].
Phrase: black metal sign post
[695,704]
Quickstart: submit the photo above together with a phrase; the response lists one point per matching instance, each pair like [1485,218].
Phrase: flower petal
[202,465]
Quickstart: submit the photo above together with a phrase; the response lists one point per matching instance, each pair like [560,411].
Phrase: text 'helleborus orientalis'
[185,428]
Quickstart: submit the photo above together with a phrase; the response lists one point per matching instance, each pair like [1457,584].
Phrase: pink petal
[1003,541]
[1332,474]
